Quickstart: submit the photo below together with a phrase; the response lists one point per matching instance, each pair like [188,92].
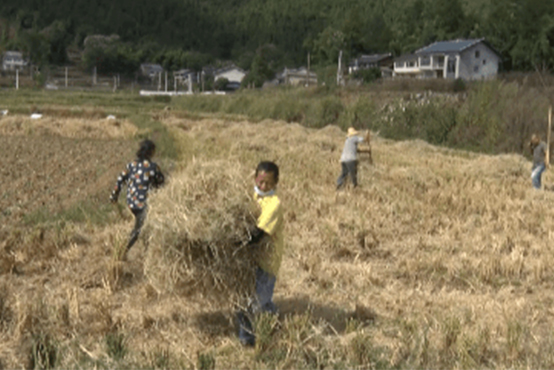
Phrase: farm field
[440,259]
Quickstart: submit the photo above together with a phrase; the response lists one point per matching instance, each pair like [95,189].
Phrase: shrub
[368,75]
[458,85]
[324,112]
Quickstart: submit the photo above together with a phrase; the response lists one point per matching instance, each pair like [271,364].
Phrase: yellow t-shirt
[271,221]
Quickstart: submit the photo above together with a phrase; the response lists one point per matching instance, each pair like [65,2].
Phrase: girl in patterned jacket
[139,176]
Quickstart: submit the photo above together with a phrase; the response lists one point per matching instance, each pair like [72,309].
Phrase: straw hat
[352,132]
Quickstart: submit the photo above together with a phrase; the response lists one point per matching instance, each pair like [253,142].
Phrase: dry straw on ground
[75,128]
[441,259]
[197,225]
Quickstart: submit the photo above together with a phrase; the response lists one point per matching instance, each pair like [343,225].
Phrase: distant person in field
[349,157]
[538,150]
[140,176]
[267,239]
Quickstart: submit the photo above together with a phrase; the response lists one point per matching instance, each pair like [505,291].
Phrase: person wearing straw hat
[349,157]
[538,150]
[139,176]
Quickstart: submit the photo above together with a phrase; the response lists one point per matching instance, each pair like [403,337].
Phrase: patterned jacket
[139,176]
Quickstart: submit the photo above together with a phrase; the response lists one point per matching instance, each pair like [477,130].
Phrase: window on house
[477,54]
[476,68]
[484,61]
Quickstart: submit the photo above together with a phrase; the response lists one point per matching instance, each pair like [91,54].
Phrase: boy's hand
[256,235]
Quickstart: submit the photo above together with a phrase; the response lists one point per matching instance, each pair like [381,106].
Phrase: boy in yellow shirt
[268,236]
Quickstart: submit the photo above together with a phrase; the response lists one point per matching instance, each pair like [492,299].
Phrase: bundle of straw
[197,225]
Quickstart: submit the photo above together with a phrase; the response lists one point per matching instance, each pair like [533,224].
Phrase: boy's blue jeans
[536,175]
[263,302]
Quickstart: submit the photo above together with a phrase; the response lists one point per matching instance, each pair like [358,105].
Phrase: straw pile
[196,225]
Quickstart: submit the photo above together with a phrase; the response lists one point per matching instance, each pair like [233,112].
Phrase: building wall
[481,66]
[232,75]
[13,60]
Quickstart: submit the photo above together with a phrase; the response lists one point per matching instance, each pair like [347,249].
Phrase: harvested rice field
[440,258]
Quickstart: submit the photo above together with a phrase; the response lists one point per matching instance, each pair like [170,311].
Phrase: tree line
[266,35]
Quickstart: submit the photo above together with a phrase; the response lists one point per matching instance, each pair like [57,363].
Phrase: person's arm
[159,178]
[365,148]
[117,188]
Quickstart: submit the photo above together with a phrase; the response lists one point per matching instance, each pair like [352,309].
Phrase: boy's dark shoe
[248,342]
[246,333]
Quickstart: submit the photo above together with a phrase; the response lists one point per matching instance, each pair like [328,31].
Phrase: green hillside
[192,33]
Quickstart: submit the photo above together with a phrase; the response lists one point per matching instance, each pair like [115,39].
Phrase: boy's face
[265,181]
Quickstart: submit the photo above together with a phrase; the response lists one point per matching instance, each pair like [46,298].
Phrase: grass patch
[116,345]
[166,144]
[91,211]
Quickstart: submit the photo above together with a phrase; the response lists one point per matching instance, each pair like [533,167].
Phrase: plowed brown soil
[55,172]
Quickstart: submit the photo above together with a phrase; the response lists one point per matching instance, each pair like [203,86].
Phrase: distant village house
[371,61]
[151,70]
[182,76]
[13,60]
[473,59]
[233,74]
[297,77]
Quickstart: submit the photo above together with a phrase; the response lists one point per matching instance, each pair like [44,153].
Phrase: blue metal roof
[452,46]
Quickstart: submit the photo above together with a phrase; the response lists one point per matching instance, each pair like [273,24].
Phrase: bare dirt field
[51,173]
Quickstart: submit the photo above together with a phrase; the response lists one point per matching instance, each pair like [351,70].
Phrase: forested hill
[189,33]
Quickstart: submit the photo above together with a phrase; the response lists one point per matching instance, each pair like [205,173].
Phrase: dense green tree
[534,46]
[180,33]
[261,69]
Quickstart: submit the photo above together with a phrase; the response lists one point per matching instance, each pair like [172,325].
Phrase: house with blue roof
[473,59]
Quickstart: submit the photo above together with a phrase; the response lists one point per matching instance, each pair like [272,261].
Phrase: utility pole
[548,135]
[339,75]
[308,75]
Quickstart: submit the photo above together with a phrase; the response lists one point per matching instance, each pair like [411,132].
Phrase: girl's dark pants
[140,217]
[351,168]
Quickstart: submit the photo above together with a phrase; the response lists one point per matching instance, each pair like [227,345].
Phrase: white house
[232,73]
[297,77]
[13,60]
[473,59]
